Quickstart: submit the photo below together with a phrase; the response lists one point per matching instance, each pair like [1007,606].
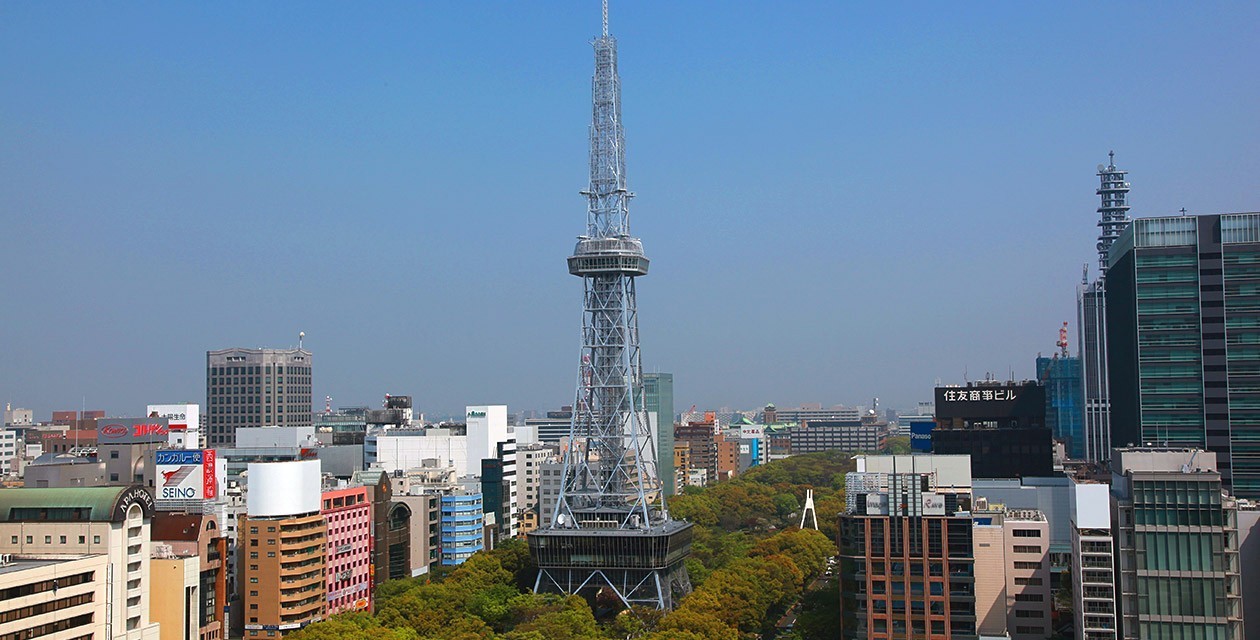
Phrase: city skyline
[843,202]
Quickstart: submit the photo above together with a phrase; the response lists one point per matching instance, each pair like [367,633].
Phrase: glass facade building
[658,390]
[1065,392]
[1183,335]
[1176,537]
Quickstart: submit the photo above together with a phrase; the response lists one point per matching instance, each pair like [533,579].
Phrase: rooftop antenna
[301,335]
[1085,273]
[605,18]
[1183,211]
[1063,341]
[1111,159]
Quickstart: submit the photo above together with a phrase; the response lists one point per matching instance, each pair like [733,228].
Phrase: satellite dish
[1100,168]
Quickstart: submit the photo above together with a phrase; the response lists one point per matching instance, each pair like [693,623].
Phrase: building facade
[1091,312]
[348,515]
[109,521]
[256,388]
[281,542]
[1001,425]
[462,526]
[199,536]
[1093,561]
[1176,537]
[658,391]
[54,598]
[1065,410]
[906,556]
[1183,337]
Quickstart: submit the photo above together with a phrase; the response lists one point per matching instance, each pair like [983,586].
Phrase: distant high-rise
[1183,339]
[1113,212]
[609,530]
[256,388]
[1061,376]
[658,391]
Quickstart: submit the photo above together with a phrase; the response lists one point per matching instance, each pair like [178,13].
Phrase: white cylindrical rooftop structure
[282,488]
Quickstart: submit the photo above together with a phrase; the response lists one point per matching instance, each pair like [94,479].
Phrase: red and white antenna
[1063,343]
[327,404]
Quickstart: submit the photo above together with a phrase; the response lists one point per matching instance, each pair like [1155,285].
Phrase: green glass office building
[658,389]
[1183,339]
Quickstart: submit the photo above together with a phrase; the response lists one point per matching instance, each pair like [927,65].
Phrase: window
[1020,548]
[113,455]
[96,539]
[113,477]
[253,593]
[63,540]
[47,539]
[253,555]
[1027,565]
[82,539]
[1027,533]
[253,580]
[1034,582]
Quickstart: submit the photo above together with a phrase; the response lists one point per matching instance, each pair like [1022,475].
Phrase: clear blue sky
[841,200]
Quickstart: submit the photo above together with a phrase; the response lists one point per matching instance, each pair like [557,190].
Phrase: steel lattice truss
[610,528]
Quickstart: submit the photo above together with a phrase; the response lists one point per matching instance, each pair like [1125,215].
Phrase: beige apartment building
[176,592]
[68,523]
[1013,544]
[53,599]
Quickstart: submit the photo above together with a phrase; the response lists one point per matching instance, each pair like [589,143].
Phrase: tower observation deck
[610,529]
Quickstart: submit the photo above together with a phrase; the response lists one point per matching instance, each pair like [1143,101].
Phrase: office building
[1013,543]
[17,417]
[54,598]
[658,391]
[201,537]
[700,438]
[391,527]
[1176,545]
[1183,325]
[1065,411]
[281,542]
[1091,315]
[1001,425]
[553,428]
[348,516]
[813,436]
[462,523]
[256,388]
[1093,560]
[775,415]
[109,521]
[906,557]
[176,593]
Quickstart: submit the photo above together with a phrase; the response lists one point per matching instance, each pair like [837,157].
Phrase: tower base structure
[642,567]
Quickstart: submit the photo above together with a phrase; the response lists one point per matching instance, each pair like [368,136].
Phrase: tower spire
[605,18]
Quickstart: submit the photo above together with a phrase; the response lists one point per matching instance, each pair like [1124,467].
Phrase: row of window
[62,539]
[255,369]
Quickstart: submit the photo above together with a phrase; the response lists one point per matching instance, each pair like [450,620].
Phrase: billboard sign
[132,430]
[751,432]
[991,402]
[187,474]
[921,436]
[180,417]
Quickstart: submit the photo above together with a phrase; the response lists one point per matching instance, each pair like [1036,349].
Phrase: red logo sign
[113,430]
[155,429]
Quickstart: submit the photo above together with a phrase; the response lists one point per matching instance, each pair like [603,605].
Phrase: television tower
[1113,210]
[610,530]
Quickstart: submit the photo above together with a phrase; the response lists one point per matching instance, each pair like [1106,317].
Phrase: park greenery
[750,564]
